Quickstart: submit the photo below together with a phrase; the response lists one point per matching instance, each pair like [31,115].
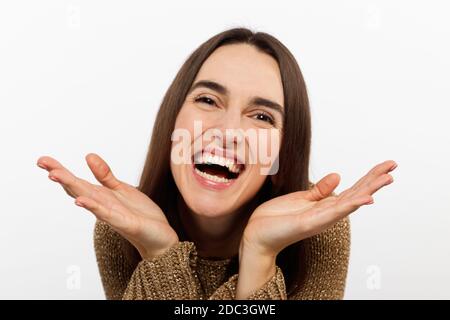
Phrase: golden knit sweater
[180,273]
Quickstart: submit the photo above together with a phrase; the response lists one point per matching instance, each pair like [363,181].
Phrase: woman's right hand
[127,210]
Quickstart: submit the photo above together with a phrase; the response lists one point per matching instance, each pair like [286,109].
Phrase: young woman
[219,227]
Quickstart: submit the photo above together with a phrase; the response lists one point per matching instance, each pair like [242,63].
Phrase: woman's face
[228,127]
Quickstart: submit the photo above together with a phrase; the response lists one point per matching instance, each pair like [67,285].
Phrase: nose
[232,137]
[231,132]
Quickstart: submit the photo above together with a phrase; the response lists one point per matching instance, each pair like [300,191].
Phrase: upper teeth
[216,159]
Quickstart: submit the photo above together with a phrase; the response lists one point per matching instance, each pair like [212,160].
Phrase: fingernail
[370,201]
[53,178]
[42,166]
[78,203]
[393,167]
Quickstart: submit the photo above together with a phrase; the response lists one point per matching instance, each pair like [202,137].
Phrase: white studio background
[88,76]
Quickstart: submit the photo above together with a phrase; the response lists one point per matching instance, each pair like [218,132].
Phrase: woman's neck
[215,237]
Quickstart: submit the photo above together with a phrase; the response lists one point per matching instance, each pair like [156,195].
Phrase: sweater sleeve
[170,276]
[116,260]
[325,262]
[125,275]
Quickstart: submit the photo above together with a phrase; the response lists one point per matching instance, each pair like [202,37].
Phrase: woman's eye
[264,117]
[205,100]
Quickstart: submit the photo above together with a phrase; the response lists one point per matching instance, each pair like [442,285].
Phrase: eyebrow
[224,91]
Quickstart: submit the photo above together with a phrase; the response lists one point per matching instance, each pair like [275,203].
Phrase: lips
[217,168]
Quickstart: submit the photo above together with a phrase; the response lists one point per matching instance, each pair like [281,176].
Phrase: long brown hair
[156,179]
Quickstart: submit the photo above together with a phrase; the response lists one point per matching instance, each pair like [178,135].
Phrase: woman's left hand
[290,218]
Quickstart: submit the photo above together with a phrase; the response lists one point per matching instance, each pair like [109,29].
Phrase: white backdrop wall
[88,76]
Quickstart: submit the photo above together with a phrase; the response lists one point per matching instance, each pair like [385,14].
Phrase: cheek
[264,148]
[273,146]
[185,118]
[183,133]
[192,120]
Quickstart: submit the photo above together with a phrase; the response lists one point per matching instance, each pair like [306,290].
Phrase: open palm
[127,210]
[290,218]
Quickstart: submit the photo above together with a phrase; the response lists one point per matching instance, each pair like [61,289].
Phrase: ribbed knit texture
[180,273]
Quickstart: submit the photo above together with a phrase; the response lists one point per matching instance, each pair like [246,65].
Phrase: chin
[210,208]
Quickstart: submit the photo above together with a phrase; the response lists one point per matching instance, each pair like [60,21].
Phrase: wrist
[255,270]
[254,249]
[147,254]
[248,256]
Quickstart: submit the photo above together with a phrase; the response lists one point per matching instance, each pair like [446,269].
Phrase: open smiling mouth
[217,169]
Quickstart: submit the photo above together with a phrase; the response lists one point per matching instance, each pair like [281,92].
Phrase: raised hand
[127,210]
[290,218]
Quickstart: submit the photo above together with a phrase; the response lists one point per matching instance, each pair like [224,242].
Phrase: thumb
[101,171]
[324,187]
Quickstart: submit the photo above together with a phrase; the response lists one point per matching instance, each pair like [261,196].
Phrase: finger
[48,163]
[102,171]
[74,186]
[324,187]
[376,171]
[323,217]
[99,210]
[375,185]
[103,212]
